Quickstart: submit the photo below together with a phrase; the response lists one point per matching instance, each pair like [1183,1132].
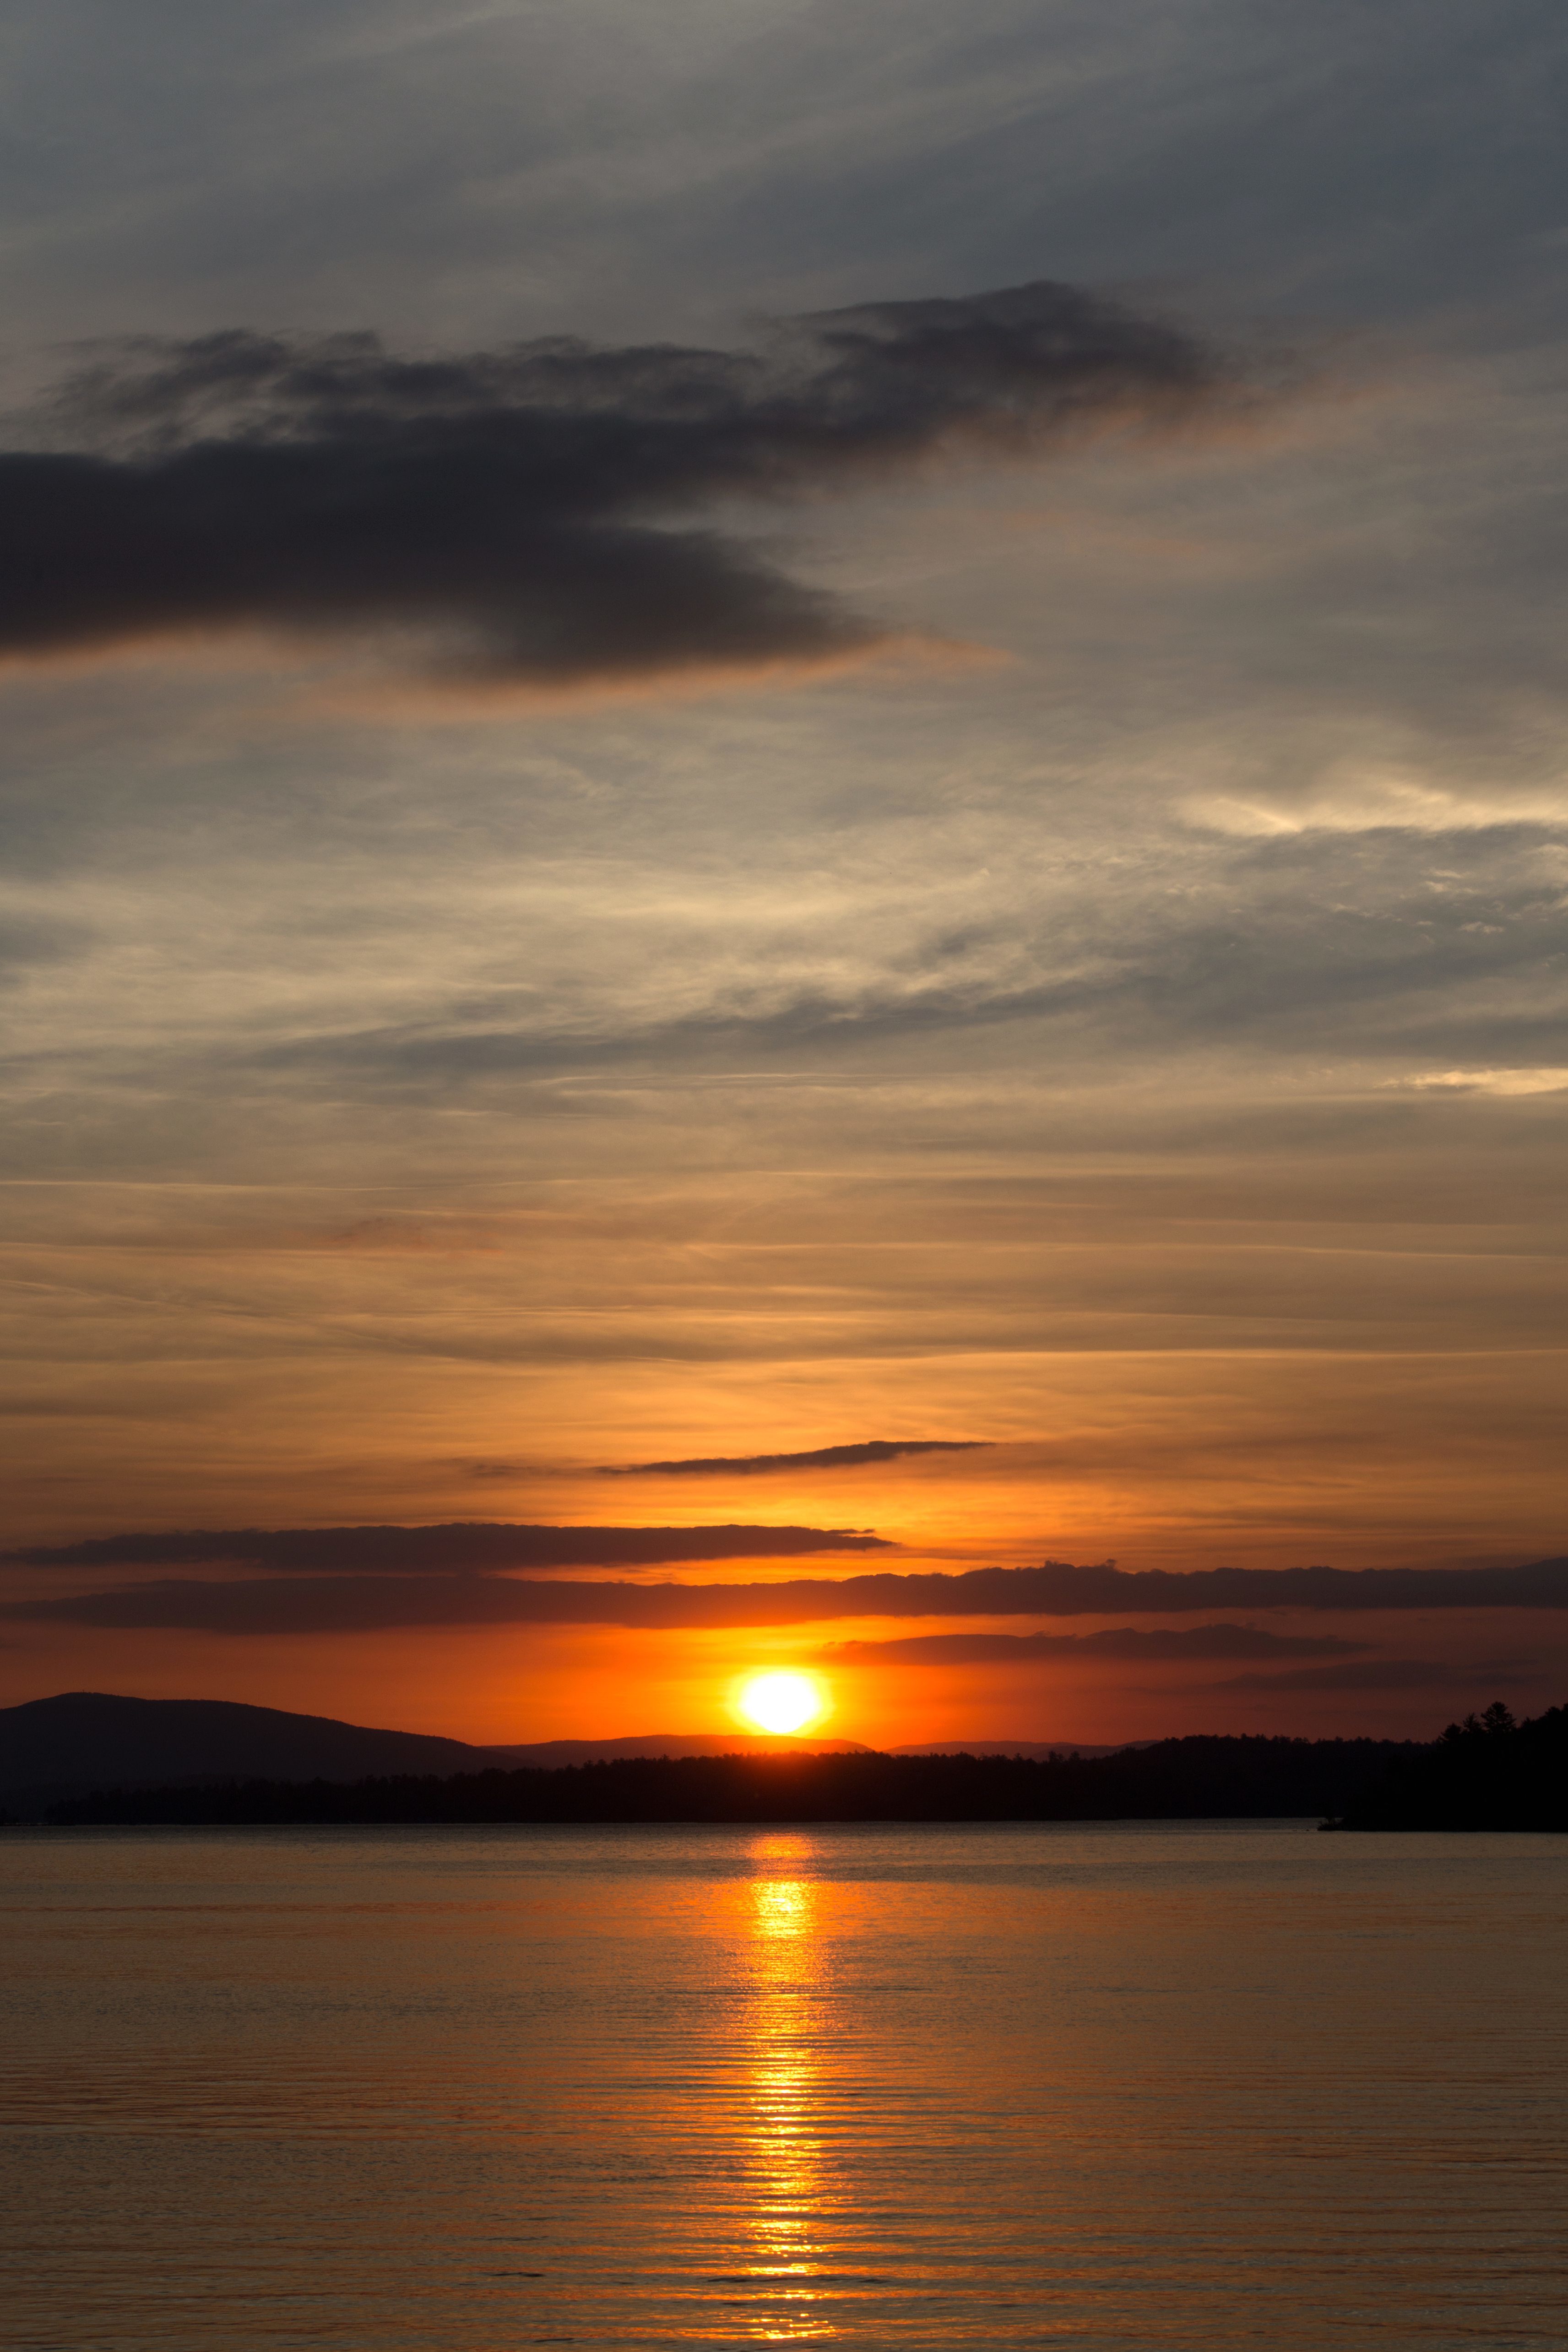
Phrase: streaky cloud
[462,1549]
[1378,1674]
[372,1602]
[1111,1592]
[821,1457]
[1118,1642]
[533,516]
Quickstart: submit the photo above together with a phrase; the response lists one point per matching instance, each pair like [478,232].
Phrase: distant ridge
[89,1757]
[551,1754]
[95,1739]
[51,1749]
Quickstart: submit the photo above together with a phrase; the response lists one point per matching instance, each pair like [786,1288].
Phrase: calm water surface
[1195,2084]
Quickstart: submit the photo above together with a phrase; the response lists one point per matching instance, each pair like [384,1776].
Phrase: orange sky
[790,753]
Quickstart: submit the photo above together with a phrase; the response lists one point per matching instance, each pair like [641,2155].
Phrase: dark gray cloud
[1381,1674]
[823,1457]
[461,1549]
[1111,1592]
[363,1603]
[1161,1643]
[373,1601]
[527,511]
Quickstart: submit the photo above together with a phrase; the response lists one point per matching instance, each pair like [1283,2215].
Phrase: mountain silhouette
[93,1739]
[56,1747]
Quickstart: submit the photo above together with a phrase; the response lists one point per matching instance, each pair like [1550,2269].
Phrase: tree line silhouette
[1172,1779]
[1487,1772]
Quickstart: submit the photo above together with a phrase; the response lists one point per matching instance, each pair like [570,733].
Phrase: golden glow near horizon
[782,1702]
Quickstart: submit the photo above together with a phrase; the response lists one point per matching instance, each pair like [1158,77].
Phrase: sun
[782,1703]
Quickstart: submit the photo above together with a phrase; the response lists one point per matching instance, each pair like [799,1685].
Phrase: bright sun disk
[782,1702]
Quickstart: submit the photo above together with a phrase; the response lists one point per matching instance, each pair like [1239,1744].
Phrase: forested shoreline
[1487,1772]
[1174,1779]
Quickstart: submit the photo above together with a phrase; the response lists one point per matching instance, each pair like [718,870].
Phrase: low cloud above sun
[782,1702]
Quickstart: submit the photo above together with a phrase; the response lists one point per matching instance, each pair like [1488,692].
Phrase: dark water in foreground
[1190,2085]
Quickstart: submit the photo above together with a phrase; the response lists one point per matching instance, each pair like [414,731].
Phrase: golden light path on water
[1131,2087]
[784,2143]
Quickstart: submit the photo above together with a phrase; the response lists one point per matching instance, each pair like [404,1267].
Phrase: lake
[1121,2085]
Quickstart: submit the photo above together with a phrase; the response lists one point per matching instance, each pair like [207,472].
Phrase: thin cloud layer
[1381,1674]
[324,1604]
[369,1601]
[1163,1643]
[1110,1591]
[458,1549]
[526,514]
[821,1457]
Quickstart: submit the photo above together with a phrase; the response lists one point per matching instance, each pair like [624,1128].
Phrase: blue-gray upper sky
[732,880]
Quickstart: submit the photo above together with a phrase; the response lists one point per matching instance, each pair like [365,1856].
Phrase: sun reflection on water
[784,2129]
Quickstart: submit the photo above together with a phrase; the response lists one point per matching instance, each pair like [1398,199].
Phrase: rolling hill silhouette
[56,1747]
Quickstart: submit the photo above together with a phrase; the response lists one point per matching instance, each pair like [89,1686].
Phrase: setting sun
[782,1702]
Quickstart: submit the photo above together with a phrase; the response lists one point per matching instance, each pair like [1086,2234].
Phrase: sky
[785,814]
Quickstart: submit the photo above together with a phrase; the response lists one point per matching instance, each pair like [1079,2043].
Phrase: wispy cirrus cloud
[1550,1081]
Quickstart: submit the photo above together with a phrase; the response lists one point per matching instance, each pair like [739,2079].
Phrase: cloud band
[372,1602]
[533,515]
